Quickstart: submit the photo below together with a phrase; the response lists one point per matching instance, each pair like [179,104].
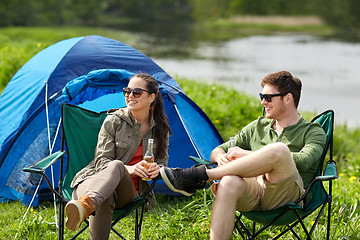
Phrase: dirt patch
[279,20]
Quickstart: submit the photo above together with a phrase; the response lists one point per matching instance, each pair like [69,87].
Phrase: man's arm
[218,156]
[310,154]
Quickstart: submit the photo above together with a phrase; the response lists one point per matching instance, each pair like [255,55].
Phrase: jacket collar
[126,115]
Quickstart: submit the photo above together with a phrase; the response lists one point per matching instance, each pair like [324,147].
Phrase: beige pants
[261,195]
[111,188]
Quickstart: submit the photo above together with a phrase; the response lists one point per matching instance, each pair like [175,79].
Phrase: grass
[181,218]
[176,217]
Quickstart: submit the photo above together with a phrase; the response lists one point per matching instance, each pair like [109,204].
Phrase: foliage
[13,56]
[155,10]
[19,44]
[228,109]
[225,8]
[49,12]
[86,12]
[339,13]
[347,149]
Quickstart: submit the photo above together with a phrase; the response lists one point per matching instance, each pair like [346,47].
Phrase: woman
[113,178]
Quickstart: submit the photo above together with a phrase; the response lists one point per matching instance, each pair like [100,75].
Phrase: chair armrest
[331,170]
[330,173]
[41,165]
[201,161]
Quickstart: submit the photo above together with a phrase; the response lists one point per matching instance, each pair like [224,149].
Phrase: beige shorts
[261,195]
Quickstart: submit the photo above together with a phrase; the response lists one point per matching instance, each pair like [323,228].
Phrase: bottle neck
[150,145]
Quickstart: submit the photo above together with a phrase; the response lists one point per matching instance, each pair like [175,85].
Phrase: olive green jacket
[119,138]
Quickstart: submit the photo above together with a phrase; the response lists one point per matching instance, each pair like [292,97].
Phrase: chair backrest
[317,192]
[80,131]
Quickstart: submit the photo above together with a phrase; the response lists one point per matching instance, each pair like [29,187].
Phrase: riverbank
[240,26]
[279,20]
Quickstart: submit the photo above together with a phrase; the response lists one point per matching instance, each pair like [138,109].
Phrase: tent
[90,72]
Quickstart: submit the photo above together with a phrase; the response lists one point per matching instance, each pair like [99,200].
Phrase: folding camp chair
[315,196]
[80,129]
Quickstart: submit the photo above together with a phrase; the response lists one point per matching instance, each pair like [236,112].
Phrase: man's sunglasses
[136,92]
[268,97]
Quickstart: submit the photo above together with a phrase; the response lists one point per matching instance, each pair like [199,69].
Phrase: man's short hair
[285,83]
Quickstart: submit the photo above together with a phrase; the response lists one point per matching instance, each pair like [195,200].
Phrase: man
[275,157]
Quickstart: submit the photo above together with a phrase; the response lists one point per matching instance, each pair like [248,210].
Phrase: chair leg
[141,218]
[329,211]
[81,230]
[117,233]
[237,218]
[243,227]
[61,221]
[303,225]
[137,224]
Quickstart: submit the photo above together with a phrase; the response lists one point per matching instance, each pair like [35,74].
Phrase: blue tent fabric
[89,72]
[19,94]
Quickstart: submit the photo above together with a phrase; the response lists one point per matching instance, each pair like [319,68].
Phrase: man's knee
[281,160]
[242,194]
[279,152]
[231,186]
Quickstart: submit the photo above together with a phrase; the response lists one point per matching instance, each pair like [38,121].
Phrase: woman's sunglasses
[136,92]
[268,97]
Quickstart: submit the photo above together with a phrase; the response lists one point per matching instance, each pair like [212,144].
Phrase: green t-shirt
[305,140]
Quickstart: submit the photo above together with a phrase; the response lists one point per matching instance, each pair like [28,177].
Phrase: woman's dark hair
[157,110]
[285,83]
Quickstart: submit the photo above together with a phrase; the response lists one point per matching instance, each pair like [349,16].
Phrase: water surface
[328,69]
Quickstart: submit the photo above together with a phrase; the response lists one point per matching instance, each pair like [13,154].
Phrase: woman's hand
[154,170]
[140,169]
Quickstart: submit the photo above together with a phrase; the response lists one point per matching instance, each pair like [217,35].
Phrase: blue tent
[90,72]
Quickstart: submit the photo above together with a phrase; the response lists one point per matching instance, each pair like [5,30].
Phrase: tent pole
[187,132]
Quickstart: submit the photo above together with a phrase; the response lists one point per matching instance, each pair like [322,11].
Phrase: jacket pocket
[121,148]
[120,144]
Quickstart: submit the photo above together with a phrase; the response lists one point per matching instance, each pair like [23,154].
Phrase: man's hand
[222,159]
[235,153]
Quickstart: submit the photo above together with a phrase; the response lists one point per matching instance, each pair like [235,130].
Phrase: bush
[227,108]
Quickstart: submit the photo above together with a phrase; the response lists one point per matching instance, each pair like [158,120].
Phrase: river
[328,69]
